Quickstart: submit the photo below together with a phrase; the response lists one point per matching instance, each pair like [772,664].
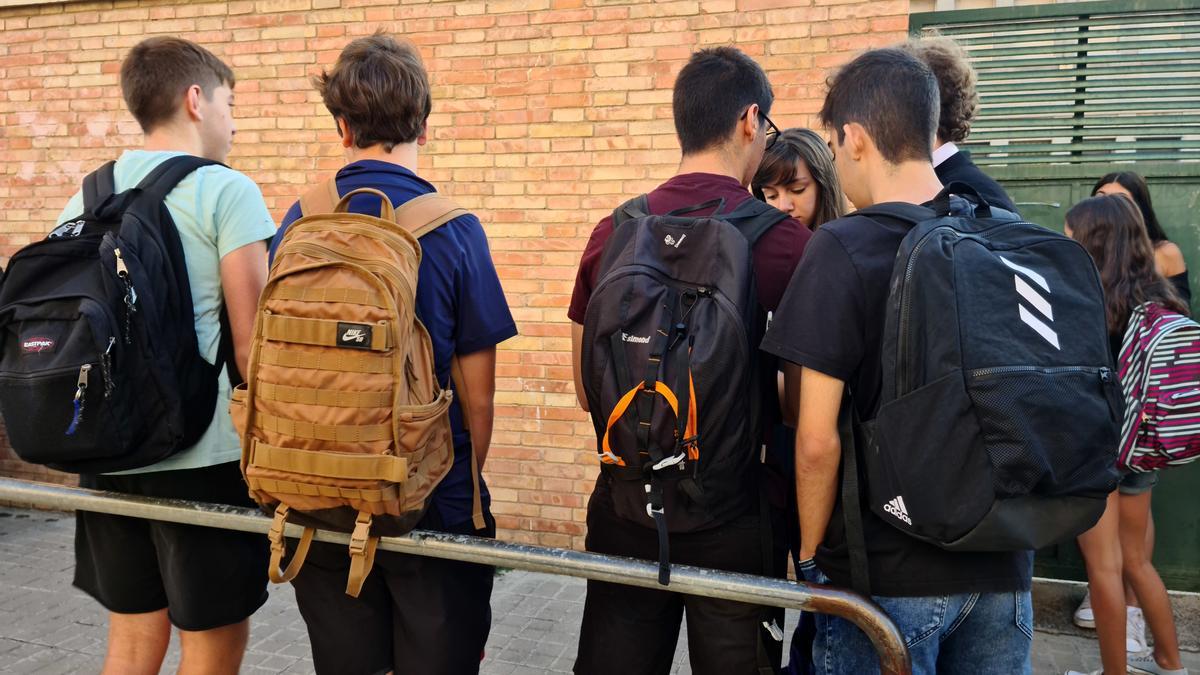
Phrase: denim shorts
[978,633]
[1135,483]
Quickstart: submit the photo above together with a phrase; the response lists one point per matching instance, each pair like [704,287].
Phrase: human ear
[191,102]
[344,133]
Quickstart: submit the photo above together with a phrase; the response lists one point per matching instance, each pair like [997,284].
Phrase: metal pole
[862,612]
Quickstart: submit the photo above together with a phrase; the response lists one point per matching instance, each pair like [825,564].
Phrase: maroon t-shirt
[775,255]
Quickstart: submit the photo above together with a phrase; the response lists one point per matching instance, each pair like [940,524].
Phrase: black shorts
[415,615]
[204,577]
[633,631]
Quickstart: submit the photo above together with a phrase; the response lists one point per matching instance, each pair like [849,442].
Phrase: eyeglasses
[772,130]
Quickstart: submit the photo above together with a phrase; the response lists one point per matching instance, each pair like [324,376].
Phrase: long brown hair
[779,168]
[1111,229]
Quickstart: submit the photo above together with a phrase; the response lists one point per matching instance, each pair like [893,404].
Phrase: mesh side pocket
[1048,431]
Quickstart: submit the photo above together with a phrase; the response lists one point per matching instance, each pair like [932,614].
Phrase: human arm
[243,276]
[577,364]
[818,455]
[477,395]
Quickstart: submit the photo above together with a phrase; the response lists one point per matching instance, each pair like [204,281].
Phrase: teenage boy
[721,102]
[959,104]
[414,614]
[150,574]
[959,612]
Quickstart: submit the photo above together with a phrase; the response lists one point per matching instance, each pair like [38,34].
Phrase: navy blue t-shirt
[459,299]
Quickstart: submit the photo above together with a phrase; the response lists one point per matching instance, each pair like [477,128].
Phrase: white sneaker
[1084,616]
[1144,663]
[1135,630]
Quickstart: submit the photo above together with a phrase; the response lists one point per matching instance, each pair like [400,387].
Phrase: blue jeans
[979,633]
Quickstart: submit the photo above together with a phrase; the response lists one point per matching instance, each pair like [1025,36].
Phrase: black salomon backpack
[1000,412]
[669,364]
[100,369]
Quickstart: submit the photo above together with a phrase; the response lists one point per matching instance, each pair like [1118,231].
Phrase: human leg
[1101,549]
[137,643]
[992,635]
[627,630]
[216,651]
[441,609]
[350,636]
[1146,583]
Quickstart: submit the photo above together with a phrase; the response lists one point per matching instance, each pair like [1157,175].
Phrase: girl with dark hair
[1167,256]
[797,177]
[1111,229]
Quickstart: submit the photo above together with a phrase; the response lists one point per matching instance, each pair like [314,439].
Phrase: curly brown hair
[956,83]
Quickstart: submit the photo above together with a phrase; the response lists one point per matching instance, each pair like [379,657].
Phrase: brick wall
[547,113]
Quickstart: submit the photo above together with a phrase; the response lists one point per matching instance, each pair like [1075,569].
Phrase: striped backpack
[1160,375]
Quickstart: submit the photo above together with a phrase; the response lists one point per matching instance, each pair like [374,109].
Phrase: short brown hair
[379,87]
[956,84]
[157,72]
[893,95]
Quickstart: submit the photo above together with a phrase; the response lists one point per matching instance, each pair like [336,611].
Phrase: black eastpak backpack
[1000,412]
[670,364]
[100,369]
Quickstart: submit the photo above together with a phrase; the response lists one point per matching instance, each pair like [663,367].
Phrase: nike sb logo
[354,335]
[897,509]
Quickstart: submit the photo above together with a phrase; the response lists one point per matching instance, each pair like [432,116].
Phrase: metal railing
[889,644]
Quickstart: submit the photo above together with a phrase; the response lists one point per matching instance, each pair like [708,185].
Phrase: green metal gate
[1070,92]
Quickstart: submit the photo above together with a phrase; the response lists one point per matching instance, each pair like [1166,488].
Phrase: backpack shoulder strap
[322,198]
[424,214]
[159,182]
[754,218]
[638,207]
[98,186]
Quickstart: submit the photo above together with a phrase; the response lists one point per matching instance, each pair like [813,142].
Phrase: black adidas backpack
[1000,412]
[670,365]
[100,369]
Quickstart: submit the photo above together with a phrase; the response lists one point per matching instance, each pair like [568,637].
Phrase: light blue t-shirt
[216,210]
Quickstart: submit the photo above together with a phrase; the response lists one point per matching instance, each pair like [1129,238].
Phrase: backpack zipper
[1105,374]
[906,310]
[371,264]
[130,295]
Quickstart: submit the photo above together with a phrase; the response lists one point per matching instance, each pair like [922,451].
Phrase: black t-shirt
[831,320]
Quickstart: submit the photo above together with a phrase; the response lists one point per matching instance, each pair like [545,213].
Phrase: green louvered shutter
[1082,83]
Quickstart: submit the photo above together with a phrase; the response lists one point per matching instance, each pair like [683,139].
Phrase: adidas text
[896,508]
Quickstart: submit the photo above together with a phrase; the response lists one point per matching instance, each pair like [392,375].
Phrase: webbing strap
[349,296]
[275,535]
[334,433]
[660,388]
[287,487]
[424,214]
[339,361]
[856,543]
[329,398]
[351,466]
[321,198]
[362,554]
[322,332]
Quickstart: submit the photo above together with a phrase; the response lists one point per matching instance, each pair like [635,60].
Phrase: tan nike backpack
[343,423]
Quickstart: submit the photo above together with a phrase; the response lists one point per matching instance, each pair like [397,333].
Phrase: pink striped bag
[1160,375]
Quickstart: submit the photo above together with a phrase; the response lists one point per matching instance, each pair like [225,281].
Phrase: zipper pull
[1105,375]
[77,404]
[122,270]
